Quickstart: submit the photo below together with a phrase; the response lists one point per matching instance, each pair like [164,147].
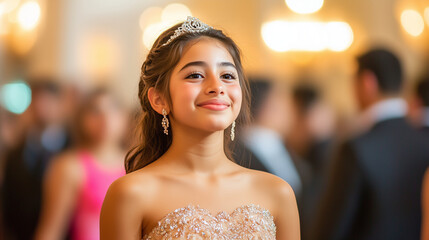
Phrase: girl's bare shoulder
[138,189]
[268,183]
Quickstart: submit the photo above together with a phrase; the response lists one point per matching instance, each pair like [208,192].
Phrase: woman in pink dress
[76,183]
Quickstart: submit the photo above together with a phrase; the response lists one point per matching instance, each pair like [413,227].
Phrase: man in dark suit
[422,95]
[376,177]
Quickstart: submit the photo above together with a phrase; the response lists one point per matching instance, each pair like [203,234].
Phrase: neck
[197,150]
[105,149]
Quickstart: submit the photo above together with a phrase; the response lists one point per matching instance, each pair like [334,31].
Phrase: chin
[207,122]
[213,124]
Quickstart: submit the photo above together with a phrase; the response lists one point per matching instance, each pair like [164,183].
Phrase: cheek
[236,96]
[183,96]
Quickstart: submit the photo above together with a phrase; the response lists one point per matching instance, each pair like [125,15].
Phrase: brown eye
[194,76]
[228,76]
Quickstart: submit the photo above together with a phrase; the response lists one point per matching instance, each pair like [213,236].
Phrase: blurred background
[87,43]
[58,56]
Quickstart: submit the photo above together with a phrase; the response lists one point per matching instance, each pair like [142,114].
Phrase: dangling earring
[165,123]
[233,131]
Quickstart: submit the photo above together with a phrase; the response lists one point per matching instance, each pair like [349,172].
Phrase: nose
[214,86]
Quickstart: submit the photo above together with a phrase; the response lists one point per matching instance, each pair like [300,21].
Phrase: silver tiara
[191,25]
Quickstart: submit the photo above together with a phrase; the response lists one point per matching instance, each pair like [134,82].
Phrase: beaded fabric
[193,222]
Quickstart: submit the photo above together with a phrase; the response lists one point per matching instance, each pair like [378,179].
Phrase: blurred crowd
[359,178]
[57,160]
[353,179]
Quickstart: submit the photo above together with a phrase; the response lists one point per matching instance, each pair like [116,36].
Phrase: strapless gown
[194,222]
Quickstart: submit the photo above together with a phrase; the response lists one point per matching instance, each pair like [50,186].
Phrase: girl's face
[204,87]
[104,120]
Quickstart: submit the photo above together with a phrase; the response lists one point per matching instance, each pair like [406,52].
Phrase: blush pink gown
[86,221]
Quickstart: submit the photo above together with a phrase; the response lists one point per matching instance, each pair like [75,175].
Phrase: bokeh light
[412,22]
[426,14]
[149,16]
[4,26]
[29,15]
[152,32]
[284,36]
[7,6]
[174,13]
[155,20]
[100,56]
[15,96]
[340,36]
[304,6]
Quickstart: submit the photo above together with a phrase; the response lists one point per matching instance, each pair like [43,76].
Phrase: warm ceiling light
[282,36]
[174,13]
[304,6]
[340,36]
[29,15]
[412,22]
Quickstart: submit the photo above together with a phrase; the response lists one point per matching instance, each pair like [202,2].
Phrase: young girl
[181,181]
[77,181]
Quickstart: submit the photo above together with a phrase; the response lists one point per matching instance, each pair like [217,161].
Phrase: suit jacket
[245,157]
[425,129]
[374,190]
[21,191]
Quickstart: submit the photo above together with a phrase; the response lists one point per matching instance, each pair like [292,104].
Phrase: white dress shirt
[268,147]
[382,110]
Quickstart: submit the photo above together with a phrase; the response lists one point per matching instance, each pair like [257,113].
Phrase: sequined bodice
[193,222]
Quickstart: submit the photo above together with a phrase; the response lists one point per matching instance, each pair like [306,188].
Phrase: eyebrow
[204,64]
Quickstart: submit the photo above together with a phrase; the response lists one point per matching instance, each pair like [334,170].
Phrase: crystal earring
[233,131]
[165,123]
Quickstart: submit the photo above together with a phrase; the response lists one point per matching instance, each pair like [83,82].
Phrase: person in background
[310,140]
[77,181]
[425,207]
[421,105]
[374,190]
[11,130]
[44,135]
[261,144]
[422,99]
[313,128]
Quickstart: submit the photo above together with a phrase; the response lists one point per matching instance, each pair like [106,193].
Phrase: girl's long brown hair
[155,72]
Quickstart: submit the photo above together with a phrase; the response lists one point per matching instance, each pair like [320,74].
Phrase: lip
[214,104]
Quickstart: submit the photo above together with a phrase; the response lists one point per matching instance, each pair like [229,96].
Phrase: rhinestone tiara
[191,25]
